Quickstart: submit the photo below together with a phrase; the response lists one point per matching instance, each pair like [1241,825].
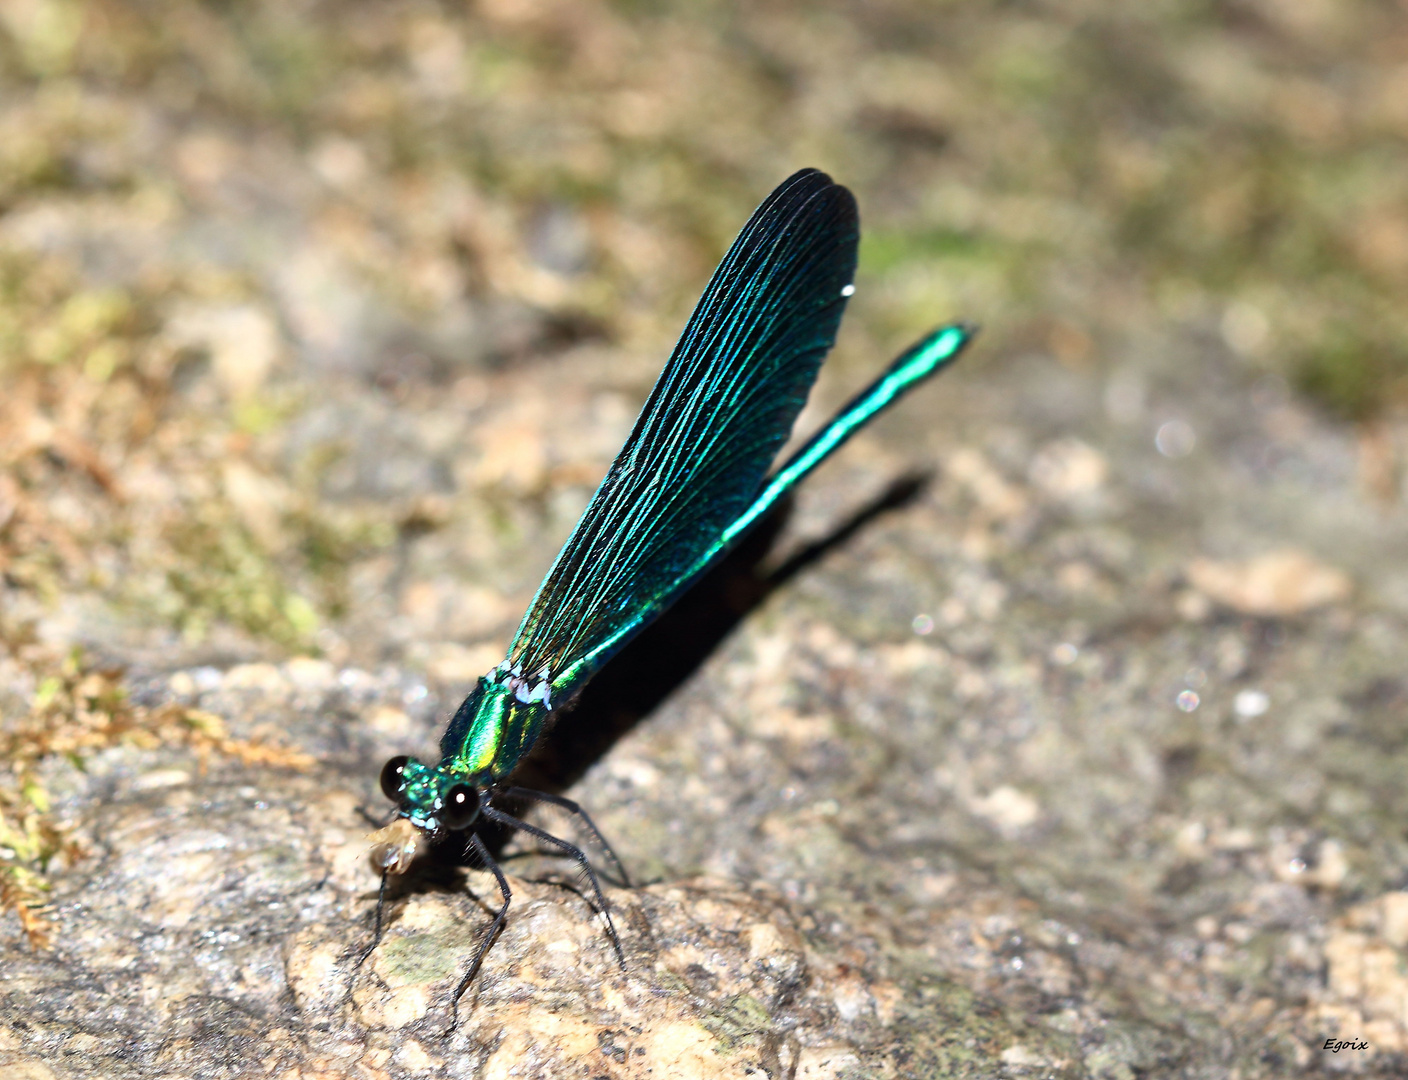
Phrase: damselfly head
[429,798]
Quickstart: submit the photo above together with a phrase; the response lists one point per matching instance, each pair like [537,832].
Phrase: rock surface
[975,794]
[1058,728]
[216,927]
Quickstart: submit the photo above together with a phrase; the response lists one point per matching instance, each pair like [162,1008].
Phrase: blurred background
[218,219]
[320,320]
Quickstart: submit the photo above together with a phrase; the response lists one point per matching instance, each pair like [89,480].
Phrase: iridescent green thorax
[495,726]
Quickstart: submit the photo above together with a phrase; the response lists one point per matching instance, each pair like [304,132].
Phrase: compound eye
[460,808]
[391,779]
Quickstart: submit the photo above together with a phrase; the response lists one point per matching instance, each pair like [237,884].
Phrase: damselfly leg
[575,810]
[577,855]
[478,847]
[376,934]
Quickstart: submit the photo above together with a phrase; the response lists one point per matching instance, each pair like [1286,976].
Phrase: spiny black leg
[576,854]
[376,934]
[574,808]
[483,852]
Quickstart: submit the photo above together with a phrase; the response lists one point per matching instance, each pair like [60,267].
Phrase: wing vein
[718,414]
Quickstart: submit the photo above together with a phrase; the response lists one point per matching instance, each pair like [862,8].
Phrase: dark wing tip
[807,176]
[804,186]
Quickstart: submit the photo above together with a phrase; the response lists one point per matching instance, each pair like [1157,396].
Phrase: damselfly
[691,480]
